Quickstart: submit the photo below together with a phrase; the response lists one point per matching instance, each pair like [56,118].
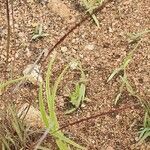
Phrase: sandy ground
[100,50]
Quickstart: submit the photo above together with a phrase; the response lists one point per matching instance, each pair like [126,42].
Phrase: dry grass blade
[12,133]
[16,124]
[3,85]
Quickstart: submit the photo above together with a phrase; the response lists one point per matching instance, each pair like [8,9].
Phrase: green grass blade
[3,147]
[77,97]
[44,34]
[128,86]
[82,92]
[36,36]
[69,141]
[42,107]
[90,6]
[50,99]
[146,120]
[40,29]
[74,95]
[120,93]
[128,58]
[136,36]
[58,81]
[126,62]
[61,140]
[61,145]
[95,20]
[10,139]
[70,111]
[81,95]
[53,96]
[117,70]
[117,98]
[144,134]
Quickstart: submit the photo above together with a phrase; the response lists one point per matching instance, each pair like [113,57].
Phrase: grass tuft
[145,130]
[3,86]
[91,5]
[77,97]
[38,33]
[125,84]
[50,118]
[124,79]
[134,37]
[13,132]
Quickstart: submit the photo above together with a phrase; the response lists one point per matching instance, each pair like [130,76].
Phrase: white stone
[90,47]
[118,117]
[81,56]
[34,76]
[32,116]
[64,49]
[28,52]
[73,65]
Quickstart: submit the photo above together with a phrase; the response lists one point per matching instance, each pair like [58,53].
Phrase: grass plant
[50,118]
[77,97]
[124,79]
[126,85]
[90,6]
[134,37]
[38,33]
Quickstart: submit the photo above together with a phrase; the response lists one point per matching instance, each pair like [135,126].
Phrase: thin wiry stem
[12,13]
[85,18]
[111,111]
[8,33]
[12,17]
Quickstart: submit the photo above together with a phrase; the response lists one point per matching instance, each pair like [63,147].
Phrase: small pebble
[90,47]
[28,52]
[83,105]
[109,148]
[64,49]
[118,117]
[81,56]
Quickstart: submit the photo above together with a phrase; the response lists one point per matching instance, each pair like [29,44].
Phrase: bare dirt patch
[100,50]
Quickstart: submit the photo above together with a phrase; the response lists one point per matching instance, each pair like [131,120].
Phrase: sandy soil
[100,50]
